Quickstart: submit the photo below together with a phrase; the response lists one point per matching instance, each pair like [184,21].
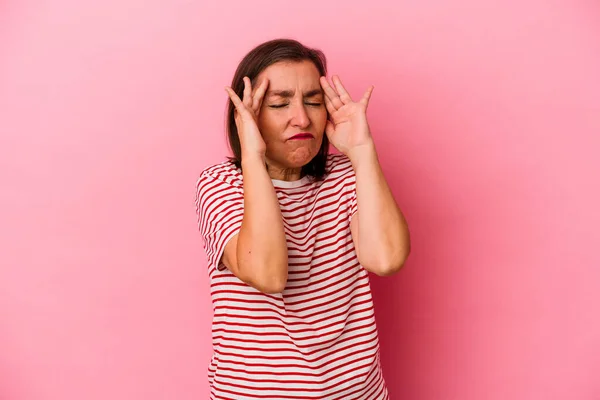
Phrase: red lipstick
[302,136]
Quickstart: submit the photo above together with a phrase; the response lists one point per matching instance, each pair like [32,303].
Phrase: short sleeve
[349,180]
[353,200]
[220,209]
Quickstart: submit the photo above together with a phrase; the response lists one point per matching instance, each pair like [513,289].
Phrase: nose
[300,116]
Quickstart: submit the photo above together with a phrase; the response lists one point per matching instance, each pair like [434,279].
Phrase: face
[293,105]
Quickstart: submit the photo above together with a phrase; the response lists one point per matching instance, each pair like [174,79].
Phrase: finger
[235,99]
[367,96]
[330,93]
[330,108]
[247,92]
[259,95]
[344,95]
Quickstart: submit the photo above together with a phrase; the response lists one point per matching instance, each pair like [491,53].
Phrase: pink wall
[487,117]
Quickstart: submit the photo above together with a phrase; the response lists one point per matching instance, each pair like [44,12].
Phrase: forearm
[383,236]
[261,249]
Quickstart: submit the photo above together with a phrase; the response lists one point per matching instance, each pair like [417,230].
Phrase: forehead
[292,75]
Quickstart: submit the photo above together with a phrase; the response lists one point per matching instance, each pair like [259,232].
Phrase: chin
[301,157]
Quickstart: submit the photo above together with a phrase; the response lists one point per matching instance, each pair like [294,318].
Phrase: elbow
[265,271]
[387,269]
[272,284]
[388,266]
[267,281]
[272,280]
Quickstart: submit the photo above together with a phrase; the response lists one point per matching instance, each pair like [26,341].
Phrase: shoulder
[222,174]
[218,181]
[339,165]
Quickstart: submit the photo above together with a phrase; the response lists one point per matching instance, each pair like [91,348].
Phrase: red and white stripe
[317,339]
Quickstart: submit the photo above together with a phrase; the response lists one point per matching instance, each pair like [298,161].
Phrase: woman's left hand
[347,128]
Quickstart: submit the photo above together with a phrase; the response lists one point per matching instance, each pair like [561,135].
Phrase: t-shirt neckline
[291,184]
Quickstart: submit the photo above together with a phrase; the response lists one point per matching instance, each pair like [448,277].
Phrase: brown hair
[252,65]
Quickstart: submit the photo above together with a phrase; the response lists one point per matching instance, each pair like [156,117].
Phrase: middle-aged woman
[291,232]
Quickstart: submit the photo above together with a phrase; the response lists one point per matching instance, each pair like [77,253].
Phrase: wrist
[253,158]
[253,161]
[361,154]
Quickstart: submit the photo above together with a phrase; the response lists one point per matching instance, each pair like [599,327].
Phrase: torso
[317,339]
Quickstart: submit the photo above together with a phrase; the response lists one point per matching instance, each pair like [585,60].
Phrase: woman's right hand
[246,118]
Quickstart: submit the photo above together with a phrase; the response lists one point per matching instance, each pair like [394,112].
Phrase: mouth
[302,136]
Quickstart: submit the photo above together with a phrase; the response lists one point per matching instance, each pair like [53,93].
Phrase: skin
[291,98]
[294,103]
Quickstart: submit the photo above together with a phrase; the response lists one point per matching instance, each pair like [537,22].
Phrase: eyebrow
[290,93]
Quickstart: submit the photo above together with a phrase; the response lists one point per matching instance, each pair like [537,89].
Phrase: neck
[283,174]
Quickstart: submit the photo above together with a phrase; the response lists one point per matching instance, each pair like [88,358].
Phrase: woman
[291,233]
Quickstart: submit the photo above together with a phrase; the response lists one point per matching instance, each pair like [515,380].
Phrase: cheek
[319,118]
[267,124]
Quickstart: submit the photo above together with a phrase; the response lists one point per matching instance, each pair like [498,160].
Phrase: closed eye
[286,104]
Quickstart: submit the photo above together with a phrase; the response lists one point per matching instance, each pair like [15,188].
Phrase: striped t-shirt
[317,339]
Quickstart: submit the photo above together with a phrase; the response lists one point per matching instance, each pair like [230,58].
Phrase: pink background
[487,119]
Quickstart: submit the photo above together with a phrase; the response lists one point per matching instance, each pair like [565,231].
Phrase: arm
[379,229]
[257,255]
